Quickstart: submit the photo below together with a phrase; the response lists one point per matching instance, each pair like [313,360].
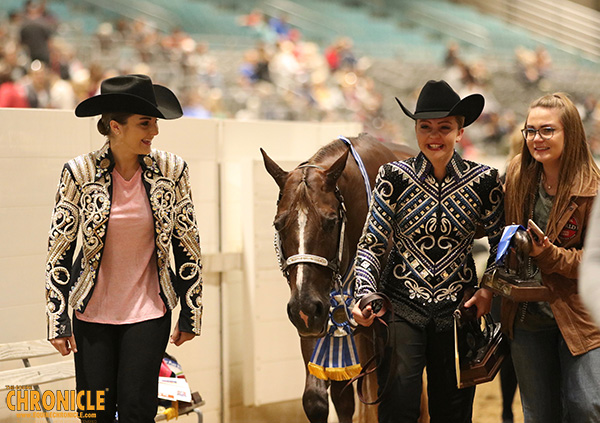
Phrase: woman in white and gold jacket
[132,207]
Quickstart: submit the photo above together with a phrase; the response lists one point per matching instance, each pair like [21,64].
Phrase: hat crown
[133,94]
[136,85]
[438,100]
[437,96]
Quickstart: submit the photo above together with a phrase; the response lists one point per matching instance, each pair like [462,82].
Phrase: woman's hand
[363,317]
[539,240]
[482,299]
[537,246]
[64,345]
[178,337]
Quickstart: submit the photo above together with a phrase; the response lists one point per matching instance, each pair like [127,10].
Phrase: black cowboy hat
[437,100]
[132,94]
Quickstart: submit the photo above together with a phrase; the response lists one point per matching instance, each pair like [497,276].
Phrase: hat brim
[470,107]
[167,107]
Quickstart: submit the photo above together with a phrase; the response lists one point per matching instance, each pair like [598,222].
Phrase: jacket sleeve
[373,242]
[186,251]
[564,261]
[61,245]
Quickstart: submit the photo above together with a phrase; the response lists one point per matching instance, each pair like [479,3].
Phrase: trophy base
[517,290]
[486,369]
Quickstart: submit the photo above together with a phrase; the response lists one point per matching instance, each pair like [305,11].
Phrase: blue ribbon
[507,234]
[335,356]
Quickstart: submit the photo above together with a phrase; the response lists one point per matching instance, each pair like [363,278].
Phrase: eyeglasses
[546,133]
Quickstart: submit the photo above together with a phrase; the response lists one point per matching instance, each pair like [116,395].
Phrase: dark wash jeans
[555,386]
[124,362]
[416,349]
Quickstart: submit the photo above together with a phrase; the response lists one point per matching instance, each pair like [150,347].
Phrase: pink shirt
[126,289]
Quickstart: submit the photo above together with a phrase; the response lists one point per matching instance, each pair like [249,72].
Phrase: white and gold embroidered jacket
[83,203]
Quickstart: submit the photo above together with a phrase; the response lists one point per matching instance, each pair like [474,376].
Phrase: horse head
[309,226]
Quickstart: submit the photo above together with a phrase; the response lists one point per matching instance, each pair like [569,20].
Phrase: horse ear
[335,170]
[274,170]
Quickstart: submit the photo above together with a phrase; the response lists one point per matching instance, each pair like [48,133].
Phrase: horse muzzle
[309,317]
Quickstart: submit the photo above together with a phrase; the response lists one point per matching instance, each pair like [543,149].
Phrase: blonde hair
[577,168]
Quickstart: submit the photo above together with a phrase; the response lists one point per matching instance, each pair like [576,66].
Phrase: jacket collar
[148,162]
[105,162]
[455,167]
[586,190]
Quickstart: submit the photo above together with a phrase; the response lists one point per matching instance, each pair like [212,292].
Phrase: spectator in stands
[194,104]
[36,86]
[36,32]
[533,65]
[12,94]
[248,67]
[347,58]
[258,22]
[279,24]
[284,68]
[452,56]
[555,343]
[332,55]
[134,209]
[62,94]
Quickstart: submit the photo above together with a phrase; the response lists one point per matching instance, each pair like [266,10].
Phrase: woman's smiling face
[437,138]
[546,151]
[136,135]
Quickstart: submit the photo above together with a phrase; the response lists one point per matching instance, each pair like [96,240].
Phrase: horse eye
[329,222]
[279,222]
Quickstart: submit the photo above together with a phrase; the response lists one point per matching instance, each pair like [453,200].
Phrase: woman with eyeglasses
[554,344]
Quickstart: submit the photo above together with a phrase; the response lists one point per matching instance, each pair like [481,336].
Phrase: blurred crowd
[282,77]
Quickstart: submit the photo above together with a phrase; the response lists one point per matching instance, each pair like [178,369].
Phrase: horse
[320,216]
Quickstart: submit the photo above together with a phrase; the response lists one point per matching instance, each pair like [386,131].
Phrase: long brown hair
[577,168]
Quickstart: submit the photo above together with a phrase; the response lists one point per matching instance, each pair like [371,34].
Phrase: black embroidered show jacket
[83,202]
[433,225]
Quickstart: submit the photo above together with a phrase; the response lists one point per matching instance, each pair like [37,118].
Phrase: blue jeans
[555,386]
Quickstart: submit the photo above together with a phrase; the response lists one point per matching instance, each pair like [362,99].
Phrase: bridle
[333,264]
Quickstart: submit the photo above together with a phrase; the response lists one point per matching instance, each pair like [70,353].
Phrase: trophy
[512,278]
[479,345]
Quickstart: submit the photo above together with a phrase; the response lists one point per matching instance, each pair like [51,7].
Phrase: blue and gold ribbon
[335,356]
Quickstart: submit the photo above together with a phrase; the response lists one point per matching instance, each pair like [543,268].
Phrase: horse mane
[335,147]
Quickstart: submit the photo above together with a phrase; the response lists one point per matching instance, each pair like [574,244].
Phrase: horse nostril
[319,308]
